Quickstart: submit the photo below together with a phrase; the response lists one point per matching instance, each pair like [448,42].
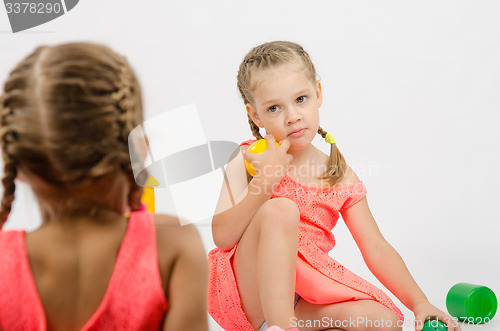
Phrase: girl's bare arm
[239,200]
[187,284]
[386,264]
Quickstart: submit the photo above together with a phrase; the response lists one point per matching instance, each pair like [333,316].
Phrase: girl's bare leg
[362,315]
[265,263]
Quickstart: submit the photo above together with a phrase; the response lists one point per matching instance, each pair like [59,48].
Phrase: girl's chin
[302,142]
[298,146]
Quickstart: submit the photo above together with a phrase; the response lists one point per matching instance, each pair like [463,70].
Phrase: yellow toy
[258,147]
[148,197]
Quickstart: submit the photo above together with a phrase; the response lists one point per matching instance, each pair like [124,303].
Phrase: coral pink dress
[134,299]
[319,278]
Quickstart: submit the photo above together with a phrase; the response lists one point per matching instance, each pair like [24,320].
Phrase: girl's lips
[298,133]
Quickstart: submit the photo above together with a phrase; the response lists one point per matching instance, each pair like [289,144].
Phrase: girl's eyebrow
[275,101]
[268,102]
[302,92]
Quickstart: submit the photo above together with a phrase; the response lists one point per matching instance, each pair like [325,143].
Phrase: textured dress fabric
[319,278]
[134,299]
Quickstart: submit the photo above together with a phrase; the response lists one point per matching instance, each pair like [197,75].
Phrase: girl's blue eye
[301,99]
[273,109]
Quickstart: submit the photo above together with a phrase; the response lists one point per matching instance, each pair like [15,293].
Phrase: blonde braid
[123,104]
[125,121]
[7,137]
[244,80]
[337,165]
[254,62]
[10,173]
[255,129]
[322,132]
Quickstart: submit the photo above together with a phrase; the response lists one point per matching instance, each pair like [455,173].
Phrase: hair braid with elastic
[255,129]
[12,97]
[74,105]
[337,165]
[8,137]
[125,104]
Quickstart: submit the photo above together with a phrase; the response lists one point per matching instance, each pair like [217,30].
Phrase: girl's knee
[379,317]
[389,320]
[277,215]
[280,212]
[392,322]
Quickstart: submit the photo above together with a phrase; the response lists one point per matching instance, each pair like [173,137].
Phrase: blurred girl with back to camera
[98,261]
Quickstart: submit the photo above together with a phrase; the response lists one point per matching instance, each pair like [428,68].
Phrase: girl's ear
[134,197]
[319,93]
[253,115]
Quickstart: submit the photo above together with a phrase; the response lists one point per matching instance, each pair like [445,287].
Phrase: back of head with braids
[274,54]
[65,115]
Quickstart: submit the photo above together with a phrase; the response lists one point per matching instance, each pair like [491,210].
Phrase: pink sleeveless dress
[319,278]
[134,299]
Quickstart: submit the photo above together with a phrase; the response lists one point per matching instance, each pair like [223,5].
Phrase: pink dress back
[134,299]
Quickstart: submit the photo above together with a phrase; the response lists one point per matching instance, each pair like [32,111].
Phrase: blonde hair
[274,54]
[65,115]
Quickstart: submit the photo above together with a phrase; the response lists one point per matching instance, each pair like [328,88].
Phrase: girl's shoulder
[172,237]
[169,227]
[183,270]
[176,242]
[349,178]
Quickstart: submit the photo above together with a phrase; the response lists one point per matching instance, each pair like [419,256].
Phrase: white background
[411,93]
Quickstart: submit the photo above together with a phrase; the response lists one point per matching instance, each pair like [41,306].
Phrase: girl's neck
[307,155]
[91,201]
[308,163]
[73,211]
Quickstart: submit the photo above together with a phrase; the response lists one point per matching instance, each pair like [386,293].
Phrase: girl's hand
[426,311]
[271,165]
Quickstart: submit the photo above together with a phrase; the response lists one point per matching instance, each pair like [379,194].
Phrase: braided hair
[65,115]
[274,54]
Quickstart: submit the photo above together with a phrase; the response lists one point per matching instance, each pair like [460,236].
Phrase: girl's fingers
[285,143]
[452,325]
[450,322]
[276,155]
[419,322]
[270,140]
[251,157]
[247,156]
[422,319]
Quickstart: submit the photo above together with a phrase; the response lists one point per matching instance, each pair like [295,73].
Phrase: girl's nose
[292,115]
